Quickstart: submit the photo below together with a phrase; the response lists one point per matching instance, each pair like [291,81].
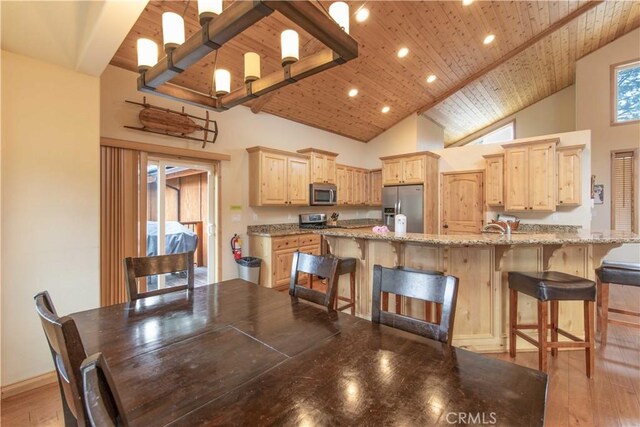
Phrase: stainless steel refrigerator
[406,200]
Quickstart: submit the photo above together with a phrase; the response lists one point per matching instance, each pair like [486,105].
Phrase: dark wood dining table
[234,353]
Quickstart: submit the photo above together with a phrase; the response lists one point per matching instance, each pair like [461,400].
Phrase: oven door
[322,195]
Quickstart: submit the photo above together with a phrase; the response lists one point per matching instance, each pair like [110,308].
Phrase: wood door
[273,185]
[391,171]
[375,188]
[542,183]
[516,179]
[282,261]
[317,168]
[298,181]
[413,170]
[349,186]
[462,202]
[494,181]
[330,169]
[341,184]
[569,167]
[358,187]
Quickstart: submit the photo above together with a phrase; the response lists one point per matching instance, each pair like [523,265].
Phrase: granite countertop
[292,229]
[491,239]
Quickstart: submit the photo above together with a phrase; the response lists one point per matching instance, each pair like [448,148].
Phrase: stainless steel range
[313,221]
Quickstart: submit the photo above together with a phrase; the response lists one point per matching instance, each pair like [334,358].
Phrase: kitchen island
[481,262]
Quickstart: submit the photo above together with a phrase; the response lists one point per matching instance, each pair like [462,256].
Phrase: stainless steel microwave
[323,194]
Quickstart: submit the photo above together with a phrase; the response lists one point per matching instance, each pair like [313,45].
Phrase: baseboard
[29,384]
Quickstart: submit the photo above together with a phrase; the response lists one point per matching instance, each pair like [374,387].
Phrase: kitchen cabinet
[375,187]
[569,175]
[494,179]
[530,177]
[278,178]
[277,256]
[352,185]
[322,165]
[403,170]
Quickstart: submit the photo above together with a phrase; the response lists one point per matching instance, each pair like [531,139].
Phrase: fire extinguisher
[236,246]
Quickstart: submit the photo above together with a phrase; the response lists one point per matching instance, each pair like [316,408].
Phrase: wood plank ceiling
[444,38]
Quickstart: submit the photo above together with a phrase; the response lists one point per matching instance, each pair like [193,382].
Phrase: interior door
[462,202]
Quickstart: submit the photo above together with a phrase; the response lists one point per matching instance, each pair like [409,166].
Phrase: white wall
[239,128]
[399,139]
[50,203]
[430,135]
[593,100]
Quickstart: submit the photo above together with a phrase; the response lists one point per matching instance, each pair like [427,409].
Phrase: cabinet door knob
[560,201]
[445,226]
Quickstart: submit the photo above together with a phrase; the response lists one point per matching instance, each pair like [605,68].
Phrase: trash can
[249,269]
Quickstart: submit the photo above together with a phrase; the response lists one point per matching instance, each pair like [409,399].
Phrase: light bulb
[172,30]
[222,80]
[353,92]
[432,78]
[403,52]
[251,67]
[386,109]
[147,54]
[489,39]
[339,11]
[362,14]
[289,45]
[208,9]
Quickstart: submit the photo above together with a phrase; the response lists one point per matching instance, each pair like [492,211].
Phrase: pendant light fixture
[209,9]
[172,31]
[222,81]
[289,45]
[147,54]
[339,11]
[251,67]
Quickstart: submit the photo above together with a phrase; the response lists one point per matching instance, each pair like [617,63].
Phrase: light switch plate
[236,217]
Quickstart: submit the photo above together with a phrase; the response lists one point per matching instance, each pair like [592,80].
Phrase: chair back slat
[101,398]
[316,265]
[67,352]
[136,267]
[425,286]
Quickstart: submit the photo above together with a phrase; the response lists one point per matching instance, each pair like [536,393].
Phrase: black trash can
[249,269]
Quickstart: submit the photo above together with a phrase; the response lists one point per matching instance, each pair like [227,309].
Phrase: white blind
[623,191]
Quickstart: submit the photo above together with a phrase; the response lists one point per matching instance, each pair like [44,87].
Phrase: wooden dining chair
[421,285]
[315,265]
[101,398]
[136,267]
[68,353]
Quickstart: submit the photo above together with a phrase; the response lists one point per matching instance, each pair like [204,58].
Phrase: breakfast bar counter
[481,262]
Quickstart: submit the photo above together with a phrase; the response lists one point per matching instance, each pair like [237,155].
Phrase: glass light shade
[289,44]
[147,54]
[251,67]
[222,80]
[208,9]
[172,30]
[339,11]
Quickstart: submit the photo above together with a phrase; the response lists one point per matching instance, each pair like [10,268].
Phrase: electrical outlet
[255,216]
[289,216]
[554,217]
[236,218]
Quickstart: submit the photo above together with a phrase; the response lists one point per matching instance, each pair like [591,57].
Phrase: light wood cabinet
[375,187]
[277,256]
[278,178]
[530,181]
[494,179]
[404,170]
[569,175]
[352,185]
[322,166]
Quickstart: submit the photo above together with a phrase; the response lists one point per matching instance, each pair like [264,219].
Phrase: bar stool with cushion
[347,266]
[552,286]
[617,273]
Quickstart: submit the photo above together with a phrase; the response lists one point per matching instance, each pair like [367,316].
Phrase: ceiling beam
[475,76]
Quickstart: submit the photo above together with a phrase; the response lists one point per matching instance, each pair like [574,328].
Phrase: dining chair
[101,398]
[421,285]
[314,265]
[136,267]
[68,353]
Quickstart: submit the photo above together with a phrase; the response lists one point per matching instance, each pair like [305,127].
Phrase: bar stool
[616,273]
[345,266]
[552,286]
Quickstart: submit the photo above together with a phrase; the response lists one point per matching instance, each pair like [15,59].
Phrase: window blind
[623,191]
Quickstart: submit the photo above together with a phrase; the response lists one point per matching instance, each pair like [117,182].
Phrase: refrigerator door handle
[399,206]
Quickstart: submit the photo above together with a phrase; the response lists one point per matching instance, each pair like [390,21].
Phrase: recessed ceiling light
[403,52]
[362,14]
[386,109]
[489,39]
[466,2]
[353,92]
[432,78]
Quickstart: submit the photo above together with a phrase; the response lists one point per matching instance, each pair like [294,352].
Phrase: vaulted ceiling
[532,57]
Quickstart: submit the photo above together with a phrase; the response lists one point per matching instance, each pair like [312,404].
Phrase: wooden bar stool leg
[604,309]
[513,319]
[352,285]
[554,327]
[542,335]
[589,338]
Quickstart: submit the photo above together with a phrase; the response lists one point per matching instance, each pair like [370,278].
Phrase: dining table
[235,353]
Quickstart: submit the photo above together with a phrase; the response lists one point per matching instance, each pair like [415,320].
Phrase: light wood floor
[610,398]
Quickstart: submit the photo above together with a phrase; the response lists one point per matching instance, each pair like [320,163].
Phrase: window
[502,134]
[625,89]
[623,191]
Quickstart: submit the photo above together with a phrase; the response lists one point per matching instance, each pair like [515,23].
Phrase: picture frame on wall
[598,194]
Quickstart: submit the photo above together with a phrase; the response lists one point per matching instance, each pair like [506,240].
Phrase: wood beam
[475,76]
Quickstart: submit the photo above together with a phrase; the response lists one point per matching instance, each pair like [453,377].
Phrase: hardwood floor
[610,398]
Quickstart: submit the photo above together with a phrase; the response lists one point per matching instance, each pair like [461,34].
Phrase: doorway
[179,216]
[462,202]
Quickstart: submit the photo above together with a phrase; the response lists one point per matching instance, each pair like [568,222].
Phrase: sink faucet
[506,231]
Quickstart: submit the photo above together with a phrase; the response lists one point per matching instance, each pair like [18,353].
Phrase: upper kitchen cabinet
[569,172]
[375,187]
[352,185]
[494,179]
[278,178]
[406,168]
[323,165]
[530,183]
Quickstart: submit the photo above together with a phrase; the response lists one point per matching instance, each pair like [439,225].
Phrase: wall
[401,138]
[430,135]
[50,203]
[239,129]
[593,99]
[553,114]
